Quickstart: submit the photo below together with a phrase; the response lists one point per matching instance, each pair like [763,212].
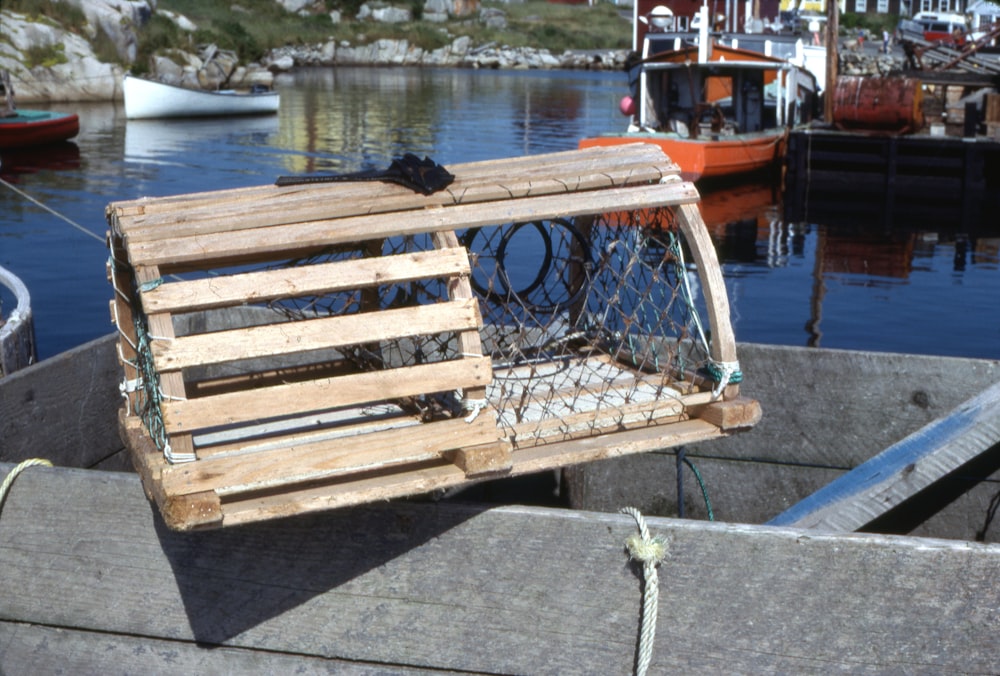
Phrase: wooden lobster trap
[290,349]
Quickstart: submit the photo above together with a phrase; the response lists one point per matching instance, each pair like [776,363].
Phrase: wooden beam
[267,285]
[173,354]
[248,406]
[222,248]
[463,587]
[902,470]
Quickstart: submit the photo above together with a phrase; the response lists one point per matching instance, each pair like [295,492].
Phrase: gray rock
[391,15]
[81,77]
[437,7]
[493,18]
[282,64]
[178,20]
[118,20]
[298,6]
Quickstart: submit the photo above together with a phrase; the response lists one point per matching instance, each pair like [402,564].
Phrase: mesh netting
[590,322]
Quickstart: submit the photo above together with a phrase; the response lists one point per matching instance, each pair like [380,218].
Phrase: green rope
[714,371]
[151,284]
[704,489]
[148,406]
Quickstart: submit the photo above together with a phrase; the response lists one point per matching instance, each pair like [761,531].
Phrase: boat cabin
[734,92]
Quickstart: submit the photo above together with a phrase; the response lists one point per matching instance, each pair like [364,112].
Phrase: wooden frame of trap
[283,436]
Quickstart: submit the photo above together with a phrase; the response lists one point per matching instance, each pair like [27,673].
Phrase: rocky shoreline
[81,76]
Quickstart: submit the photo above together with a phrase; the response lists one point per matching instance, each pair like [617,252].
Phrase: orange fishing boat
[715,110]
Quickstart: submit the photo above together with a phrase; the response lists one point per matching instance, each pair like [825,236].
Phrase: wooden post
[832,33]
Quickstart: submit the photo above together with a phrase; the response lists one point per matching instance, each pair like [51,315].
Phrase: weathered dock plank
[48,409]
[445,586]
[901,471]
[31,649]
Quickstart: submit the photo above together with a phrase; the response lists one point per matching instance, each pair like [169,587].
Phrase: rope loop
[723,373]
[151,284]
[650,552]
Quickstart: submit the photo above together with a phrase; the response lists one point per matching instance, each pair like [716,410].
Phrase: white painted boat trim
[17,331]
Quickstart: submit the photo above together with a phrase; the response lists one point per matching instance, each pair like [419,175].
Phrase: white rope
[18,468]
[475,406]
[727,369]
[177,458]
[650,552]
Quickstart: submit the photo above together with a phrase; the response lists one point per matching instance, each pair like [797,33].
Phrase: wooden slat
[212,250]
[723,344]
[312,334]
[189,415]
[902,470]
[260,470]
[488,590]
[267,285]
[515,177]
[345,200]
[602,421]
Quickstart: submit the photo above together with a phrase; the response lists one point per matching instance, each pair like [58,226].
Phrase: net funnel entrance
[290,349]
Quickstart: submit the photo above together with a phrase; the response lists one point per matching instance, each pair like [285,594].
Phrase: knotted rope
[18,468]
[650,552]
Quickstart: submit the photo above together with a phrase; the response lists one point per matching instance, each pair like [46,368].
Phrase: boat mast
[704,48]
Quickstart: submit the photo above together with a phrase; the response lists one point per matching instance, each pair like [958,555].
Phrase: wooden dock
[95,583]
[837,176]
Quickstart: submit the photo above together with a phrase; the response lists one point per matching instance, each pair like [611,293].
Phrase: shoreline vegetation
[56,52]
[254,27]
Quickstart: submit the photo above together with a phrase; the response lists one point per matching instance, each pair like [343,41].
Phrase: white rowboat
[150,99]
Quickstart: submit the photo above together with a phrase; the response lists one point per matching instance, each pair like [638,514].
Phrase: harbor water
[927,288]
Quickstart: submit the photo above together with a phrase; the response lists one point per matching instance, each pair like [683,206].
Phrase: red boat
[24,128]
[37,127]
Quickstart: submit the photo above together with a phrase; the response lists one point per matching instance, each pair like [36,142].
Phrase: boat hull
[146,99]
[706,157]
[37,127]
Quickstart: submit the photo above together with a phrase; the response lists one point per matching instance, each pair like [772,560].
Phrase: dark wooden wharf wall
[839,176]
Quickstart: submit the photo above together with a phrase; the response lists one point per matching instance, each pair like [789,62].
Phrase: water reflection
[349,119]
[836,280]
[14,162]
[888,282]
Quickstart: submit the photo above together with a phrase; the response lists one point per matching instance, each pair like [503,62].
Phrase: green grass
[531,24]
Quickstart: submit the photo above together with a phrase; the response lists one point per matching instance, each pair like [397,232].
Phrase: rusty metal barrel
[882,104]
